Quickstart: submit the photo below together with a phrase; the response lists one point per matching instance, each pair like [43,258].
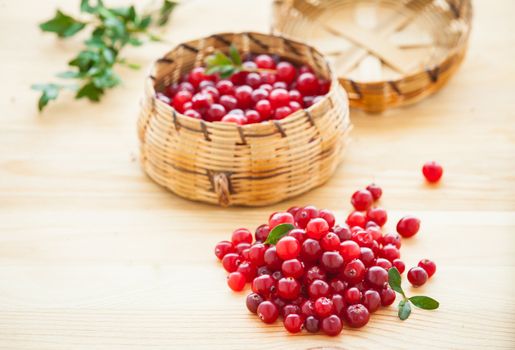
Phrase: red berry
[211,90]
[265,62]
[307,308]
[229,102]
[357,218]
[290,309]
[387,296]
[225,87]
[331,261]
[314,273]
[328,216]
[375,190]
[432,171]
[230,262]
[264,108]
[371,300]
[305,214]
[417,276]
[376,276]
[331,325]
[240,247]
[312,324]
[243,95]
[307,84]
[253,80]
[324,86]
[318,289]
[286,72]
[385,264]
[391,238]
[343,232]
[323,307]
[352,295]
[390,252]
[196,76]
[317,228]
[363,238]
[292,268]
[408,226]
[377,215]
[399,265]
[263,285]
[262,232]
[288,248]
[257,253]
[279,98]
[362,200]
[295,96]
[298,233]
[236,281]
[354,271]
[180,99]
[253,300]
[192,114]
[280,218]
[330,242]
[248,270]
[186,86]
[293,323]
[311,250]
[282,112]
[241,235]
[267,312]
[357,315]
[202,100]
[215,113]
[339,304]
[268,78]
[367,256]
[259,94]
[280,85]
[271,258]
[429,266]
[234,118]
[223,248]
[288,288]
[349,250]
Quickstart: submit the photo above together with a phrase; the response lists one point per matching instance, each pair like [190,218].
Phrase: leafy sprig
[278,232]
[227,65]
[420,301]
[112,29]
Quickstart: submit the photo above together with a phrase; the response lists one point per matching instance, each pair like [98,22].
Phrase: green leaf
[48,92]
[165,11]
[424,302]
[218,59]
[235,55]
[109,56]
[278,232]
[144,22]
[90,91]
[135,42]
[68,75]
[85,6]
[404,309]
[63,25]
[394,280]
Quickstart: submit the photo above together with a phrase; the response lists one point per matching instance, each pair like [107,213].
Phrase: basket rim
[461,45]
[255,126]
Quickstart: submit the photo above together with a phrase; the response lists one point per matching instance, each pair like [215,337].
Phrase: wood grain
[93,255]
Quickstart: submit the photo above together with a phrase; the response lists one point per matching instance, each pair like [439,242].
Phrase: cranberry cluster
[267,88]
[320,274]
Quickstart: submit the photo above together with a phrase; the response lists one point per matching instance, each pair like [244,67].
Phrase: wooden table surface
[94,255]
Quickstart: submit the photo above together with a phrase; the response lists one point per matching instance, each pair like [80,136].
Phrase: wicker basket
[387,53]
[250,165]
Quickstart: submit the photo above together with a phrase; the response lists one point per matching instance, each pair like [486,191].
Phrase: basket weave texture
[438,30]
[249,165]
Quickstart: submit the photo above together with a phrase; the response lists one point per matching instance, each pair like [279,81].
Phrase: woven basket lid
[387,53]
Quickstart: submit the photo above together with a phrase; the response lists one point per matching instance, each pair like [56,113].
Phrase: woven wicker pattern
[251,165]
[417,44]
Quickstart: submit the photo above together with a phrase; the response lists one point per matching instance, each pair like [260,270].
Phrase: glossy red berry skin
[293,323]
[253,300]
[377,215]
[180,99]
[229,102]
[328,216]
[354,271]
[236,281]
[362,200]
[192,114]
[387,296]
[399,265]
[343,232]
[383,263]
[252,116]
[376,276]
[264,108]
[261,233]
[429,266]
[311,250]
[280,218]
[432,171]
[357,315]
[243,95]
[282,112]
[271,258]
[349,250]
[357,218]
[390,252]
[331,261]
[279,98]
[268,312]
[331,325]
[288,248]
[312,324]
[286,72]
[417,276]
[257,253]
[225,87]
[391,238]
[352,296]
[241,235]
[299,234]
[367,256]
[230,262]
[317,289]
[330,242]
[307,308]
[307,84]
[317,228]
[290,309]
[288,288]
[323,307]
[408,226]
[292,268]
[304,215]
[375,191]
[263,285]
[264,61]
[248,270]
[222,248]
[314,273]
[371,300]
[196,76]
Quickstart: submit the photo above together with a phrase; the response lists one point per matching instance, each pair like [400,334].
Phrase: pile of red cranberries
[320,275]
[268,88]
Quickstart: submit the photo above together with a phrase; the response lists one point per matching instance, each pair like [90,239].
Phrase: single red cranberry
[307,308]
[186,86]
[236,281]
[371,300]
[352,295]
[240,247]
[202,100]
[318,289]
[248,270]
[387,296]
[267,87]
[252,116]
[429,266]
[363,238]
[268,78]
[305,214]
[308,101]
[370,224]
[417,276]
[293,210]
[292,268]
[286,72]
[261,233]
[337,285]
[215,112]
[192,114]
[257,253]
[408,226]
[271,258]
[253,300]
[279,98]
[280,303]
[314,273]
[180,99]
[293,323]
[259,94]
[196,76]
[357,315]
[332,325]
[328,216]
[311,250]
[264,108]
[264,62]
[312,324]
[280,85]
[390,252]
[354,271]
[205,84]
[282,112]
[290,309]
[323,307]
[330,242]
[288,248]
[223,248]
[280,218]
[377,215]
[357,218]
[215,94]
[288,288]
[375,190]
[243,95]
[362,200]
[349,250]
[432,171]
[267,312]
[331,261]
[234,119]
[399,265]
[367,256]
[343,232]
[375,231]
[324,86]
[317,228]
[307,84]
[376,276]
[244,253]
[339,304]
[225,87]
[383,263]
[263,285]
[231,261]
[228,101]
[391,238]
[294,106]
[298,233]
[295,96]
[253,80]
[241,235]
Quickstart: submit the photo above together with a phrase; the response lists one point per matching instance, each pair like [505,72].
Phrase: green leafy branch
[227,65]
[112,29]
[420,301]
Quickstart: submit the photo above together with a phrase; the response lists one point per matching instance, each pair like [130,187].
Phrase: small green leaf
[218,59]
[278,232]
[404,309]
[48,92]
[235,55]
[68,75]
[85,6]
[63,25]
[165,11]
[394,280]
[424,302]
[90,91]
